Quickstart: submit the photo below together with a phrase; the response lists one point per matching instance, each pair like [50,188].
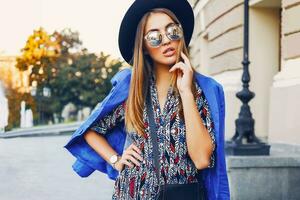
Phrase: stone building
[274,54]
[216,50]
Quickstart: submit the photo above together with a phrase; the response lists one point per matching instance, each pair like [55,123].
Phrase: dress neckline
[161,113]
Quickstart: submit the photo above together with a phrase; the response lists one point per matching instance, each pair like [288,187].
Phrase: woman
[190,136]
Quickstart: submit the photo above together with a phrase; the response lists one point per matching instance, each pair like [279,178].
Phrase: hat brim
[181,8]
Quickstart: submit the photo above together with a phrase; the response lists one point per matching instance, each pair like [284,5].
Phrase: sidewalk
[44,130]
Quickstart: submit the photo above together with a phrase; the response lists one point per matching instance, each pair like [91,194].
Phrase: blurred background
[56,61]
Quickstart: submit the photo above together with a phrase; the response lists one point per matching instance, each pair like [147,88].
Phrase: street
[39,168]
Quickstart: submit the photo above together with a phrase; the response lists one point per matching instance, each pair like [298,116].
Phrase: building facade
[12,76]
[274,53]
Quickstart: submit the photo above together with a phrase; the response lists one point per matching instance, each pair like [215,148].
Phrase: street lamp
[245,123]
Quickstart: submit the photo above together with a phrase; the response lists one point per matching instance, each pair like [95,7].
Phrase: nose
[165,40]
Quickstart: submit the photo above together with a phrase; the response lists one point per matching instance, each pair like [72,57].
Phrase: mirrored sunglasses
[173,32]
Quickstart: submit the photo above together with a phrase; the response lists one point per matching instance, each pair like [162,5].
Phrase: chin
[169,61]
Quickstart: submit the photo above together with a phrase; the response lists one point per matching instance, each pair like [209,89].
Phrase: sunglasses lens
[154,38]
[174,32]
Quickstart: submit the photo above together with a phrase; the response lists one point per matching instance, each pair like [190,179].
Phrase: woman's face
[160,21]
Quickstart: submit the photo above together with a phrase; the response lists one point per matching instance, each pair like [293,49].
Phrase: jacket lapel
[210,90]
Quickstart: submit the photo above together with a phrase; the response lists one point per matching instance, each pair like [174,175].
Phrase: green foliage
[60,62]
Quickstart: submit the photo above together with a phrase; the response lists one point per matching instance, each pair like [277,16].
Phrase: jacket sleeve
[224,193]
[106,123]
[210,128]
[87,159]
[206,117]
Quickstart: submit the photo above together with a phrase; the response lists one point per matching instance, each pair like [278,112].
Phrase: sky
[97,22]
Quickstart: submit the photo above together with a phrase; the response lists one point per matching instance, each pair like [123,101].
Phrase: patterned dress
[176,166]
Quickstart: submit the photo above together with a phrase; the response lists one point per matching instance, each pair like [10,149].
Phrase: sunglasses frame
[177,24]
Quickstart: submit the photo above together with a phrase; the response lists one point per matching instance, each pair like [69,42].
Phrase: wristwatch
[114,159]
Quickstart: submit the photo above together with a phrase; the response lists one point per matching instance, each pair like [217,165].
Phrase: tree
[60,62]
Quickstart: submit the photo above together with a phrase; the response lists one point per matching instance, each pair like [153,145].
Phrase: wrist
[114,165]
[186,94]
[119,166]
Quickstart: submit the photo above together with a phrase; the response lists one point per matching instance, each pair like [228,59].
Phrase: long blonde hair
[142,69]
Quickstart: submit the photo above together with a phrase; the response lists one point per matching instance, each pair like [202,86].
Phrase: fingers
[179,65]
[186,61]
[131,154]
[132,159]
[136,148]
[183,66]
[124,161]
[136,155]
[185,58]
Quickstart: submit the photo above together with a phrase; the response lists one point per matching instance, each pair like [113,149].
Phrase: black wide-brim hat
[181,8]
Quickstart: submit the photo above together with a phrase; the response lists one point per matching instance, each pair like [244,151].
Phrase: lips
[169,52]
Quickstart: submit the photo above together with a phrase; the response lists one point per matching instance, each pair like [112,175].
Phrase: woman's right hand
[130,156]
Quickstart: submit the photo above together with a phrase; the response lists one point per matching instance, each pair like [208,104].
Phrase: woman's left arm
[199,142]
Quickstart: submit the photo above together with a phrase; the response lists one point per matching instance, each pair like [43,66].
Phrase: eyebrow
[155,29]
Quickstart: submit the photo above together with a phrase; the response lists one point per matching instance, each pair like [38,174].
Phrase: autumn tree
[58,61]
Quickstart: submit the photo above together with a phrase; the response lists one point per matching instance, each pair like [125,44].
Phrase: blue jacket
[87,160]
